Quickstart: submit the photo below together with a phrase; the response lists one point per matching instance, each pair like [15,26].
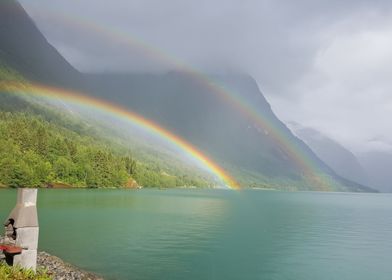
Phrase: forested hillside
[40,146]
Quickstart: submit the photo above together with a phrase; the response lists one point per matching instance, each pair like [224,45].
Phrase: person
[10,230]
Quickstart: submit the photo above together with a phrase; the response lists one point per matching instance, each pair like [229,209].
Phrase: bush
[17,273]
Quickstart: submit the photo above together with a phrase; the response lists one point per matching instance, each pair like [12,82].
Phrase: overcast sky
[323,64]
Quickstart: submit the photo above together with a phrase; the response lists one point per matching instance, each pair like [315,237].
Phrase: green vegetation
[34,152]
[15,273]
[40,146]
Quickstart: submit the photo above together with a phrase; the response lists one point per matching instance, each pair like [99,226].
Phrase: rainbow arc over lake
[310,170]
[308,167]
[117,111]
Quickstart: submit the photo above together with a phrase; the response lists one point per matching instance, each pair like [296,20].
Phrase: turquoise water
[217,234]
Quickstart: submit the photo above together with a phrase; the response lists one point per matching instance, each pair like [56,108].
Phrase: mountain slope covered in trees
[40,145]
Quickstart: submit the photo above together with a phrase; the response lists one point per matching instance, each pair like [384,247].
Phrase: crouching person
[10,232]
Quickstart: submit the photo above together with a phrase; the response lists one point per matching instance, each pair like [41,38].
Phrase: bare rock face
[60,270]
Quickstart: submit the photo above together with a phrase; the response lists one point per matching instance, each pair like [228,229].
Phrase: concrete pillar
[27,230]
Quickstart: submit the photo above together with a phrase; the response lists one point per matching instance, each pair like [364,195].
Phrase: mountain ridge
[26,50]
[335,155]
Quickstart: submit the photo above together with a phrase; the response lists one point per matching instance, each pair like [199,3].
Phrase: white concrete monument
[25,224]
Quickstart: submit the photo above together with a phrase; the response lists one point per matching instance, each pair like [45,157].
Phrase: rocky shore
[60,270]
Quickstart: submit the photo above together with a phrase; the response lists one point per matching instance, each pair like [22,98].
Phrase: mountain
[370,168]
[197,113]
[244,136]
[378,167]
[43,144]
[339,158]
[25,49]
[234,135]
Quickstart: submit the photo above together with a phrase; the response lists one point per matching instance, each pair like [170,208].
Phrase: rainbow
[78,98]
[294,152]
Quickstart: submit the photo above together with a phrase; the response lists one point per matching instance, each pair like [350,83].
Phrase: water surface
[217,234]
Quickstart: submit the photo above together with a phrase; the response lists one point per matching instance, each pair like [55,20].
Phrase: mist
[323,64]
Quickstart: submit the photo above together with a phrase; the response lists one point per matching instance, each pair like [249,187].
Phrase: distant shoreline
[60,186]
[68,186]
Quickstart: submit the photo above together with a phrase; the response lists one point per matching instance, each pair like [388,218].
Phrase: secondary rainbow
[307,165]
[123,113]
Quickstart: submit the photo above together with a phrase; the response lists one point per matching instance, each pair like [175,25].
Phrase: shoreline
[61,270]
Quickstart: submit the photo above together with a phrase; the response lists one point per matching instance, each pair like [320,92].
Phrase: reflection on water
[206,234]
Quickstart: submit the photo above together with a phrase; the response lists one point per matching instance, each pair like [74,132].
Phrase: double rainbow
[117,111]
[307,165]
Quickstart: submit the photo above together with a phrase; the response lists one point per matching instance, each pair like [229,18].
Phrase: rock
[132,184]
[61,270]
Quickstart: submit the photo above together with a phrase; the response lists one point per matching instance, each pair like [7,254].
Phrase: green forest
[43,146]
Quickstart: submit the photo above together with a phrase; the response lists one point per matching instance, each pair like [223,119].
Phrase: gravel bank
[61,270]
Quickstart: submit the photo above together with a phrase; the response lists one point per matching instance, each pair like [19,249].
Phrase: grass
[17,273]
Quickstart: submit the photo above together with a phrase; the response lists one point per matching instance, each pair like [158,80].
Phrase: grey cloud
[268,38]
[321,63]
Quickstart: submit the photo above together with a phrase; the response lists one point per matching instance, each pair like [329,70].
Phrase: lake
[217,234]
